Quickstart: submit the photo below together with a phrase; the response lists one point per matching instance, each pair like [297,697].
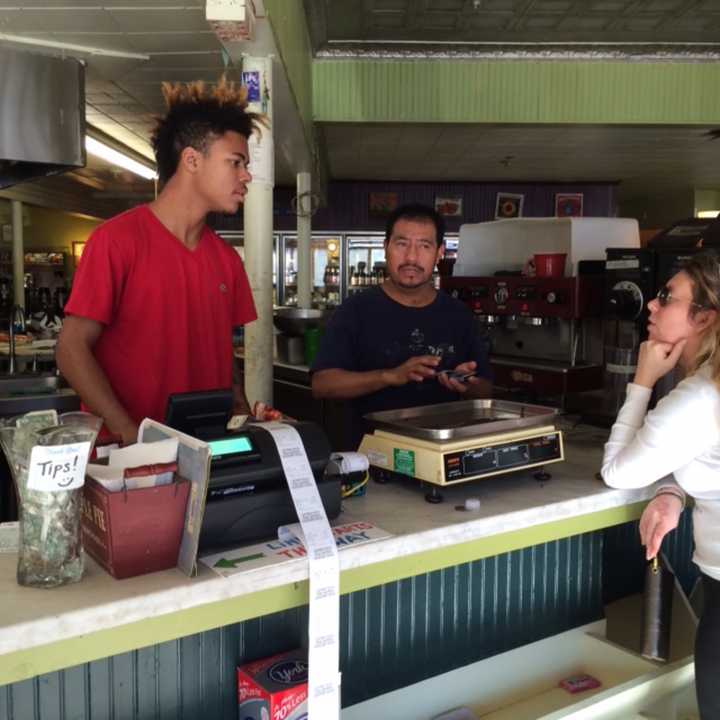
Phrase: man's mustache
[411,267]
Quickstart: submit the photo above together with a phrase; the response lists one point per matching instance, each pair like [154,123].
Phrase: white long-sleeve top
[680,436]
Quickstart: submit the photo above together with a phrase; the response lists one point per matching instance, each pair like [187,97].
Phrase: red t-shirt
[168,312]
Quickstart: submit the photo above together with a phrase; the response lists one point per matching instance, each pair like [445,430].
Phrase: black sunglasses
[665,296]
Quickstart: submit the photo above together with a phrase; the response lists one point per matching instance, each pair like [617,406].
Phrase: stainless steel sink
[27,392]
[27,384]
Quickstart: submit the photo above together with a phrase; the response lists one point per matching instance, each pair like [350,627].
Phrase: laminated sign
[55,468]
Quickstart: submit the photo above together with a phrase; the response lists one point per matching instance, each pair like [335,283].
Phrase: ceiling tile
[663,5]
[443,5]
[488,21]
[169,19]
[387,5]
[31,20]
[641,23]
[527,21]
[562,6]
[584,23]
[162,42]
[103,41]
[439,21]
[180,60]
[541,22]
[611,6]
[503,5]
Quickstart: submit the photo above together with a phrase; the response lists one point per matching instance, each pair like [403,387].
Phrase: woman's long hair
[703,270]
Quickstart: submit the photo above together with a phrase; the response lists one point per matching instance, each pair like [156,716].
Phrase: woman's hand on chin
[655,359]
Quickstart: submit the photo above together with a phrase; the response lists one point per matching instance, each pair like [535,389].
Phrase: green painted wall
[450,91]
[46,229]
[287,18]
[707,199]
[55,229]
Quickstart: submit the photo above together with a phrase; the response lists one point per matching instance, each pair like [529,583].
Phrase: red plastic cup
[550,264]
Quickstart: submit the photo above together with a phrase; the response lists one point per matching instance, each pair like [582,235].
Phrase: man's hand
[655,359]
[262,412]
[128,433]
[661,516]
[416,369]
[457,385]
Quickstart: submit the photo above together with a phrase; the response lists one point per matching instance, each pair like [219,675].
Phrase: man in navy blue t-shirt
[386,348]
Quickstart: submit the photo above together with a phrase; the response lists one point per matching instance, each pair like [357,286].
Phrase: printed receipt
[324,571]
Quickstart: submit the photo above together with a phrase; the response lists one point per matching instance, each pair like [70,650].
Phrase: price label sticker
[58,467]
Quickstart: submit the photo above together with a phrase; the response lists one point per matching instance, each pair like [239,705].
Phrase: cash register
[248,497]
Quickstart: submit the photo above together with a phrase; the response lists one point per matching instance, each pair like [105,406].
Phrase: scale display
[475,462]
[230,446]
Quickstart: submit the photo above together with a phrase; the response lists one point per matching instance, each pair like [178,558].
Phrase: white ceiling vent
[231,20]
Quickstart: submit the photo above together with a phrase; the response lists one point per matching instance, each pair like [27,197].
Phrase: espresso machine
[544,333]
[544,330]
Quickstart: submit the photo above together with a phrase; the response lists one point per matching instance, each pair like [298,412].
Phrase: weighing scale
[457,442]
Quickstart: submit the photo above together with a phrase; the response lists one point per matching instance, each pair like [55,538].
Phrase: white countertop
[510,504]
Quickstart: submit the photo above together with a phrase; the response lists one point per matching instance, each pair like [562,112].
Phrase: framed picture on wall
[449,206]
[568,205]
[508,205]
[382,203]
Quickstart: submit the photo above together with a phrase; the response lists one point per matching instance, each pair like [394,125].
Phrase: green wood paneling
[35,661]
[447,91]
[391,635]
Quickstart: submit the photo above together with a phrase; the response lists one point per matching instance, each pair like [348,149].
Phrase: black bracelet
[680,497]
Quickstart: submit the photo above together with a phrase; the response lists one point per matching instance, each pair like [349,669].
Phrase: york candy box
[274,688]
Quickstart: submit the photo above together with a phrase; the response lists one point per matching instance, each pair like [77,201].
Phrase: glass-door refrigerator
[327,269]
[364,260]
[236,238]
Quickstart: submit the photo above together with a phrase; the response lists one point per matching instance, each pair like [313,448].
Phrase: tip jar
[47,455]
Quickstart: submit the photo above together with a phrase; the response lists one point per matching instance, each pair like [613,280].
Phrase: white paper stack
[112,475]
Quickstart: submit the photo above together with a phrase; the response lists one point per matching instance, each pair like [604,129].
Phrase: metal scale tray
[462,419]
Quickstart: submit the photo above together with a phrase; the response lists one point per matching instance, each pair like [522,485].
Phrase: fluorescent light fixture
[94,147]
[708,213]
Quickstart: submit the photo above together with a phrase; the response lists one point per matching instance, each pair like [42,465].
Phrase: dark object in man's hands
[459,376]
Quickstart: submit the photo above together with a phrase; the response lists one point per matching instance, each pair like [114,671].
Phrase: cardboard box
[275,687]
[134,532]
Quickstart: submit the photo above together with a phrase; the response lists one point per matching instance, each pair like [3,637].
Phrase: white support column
[304,238]
[18,254]
[258,225]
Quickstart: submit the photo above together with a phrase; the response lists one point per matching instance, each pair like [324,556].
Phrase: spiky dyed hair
[196,116]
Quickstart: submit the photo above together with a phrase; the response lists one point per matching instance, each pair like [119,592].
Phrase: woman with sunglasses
[681,436]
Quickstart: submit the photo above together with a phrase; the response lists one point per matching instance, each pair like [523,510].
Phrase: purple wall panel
[347,206]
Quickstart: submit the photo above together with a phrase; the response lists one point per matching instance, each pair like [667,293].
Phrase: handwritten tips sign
[58,467]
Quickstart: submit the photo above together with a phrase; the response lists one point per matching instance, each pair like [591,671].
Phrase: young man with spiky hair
[157,293]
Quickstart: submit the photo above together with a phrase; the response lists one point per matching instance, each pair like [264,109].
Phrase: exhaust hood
[42,115]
